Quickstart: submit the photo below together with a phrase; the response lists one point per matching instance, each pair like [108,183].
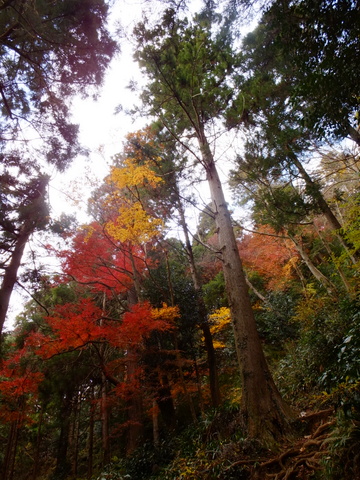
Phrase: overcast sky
[101,131]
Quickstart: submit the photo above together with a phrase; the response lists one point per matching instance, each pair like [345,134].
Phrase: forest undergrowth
[325,445]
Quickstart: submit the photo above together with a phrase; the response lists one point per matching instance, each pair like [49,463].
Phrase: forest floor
[296,460]
[324,446]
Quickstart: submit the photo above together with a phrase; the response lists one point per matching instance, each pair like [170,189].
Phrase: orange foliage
[140,322]
[270,256]
[139,142]
[72,326]
[98,261]
[75,325]
[165,314]
[18,380]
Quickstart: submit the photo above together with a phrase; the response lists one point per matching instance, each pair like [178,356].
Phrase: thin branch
[33,297]
[284,237]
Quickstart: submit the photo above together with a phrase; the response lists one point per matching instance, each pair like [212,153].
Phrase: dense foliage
[128,363]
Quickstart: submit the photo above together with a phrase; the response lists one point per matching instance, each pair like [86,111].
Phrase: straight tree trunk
[165,401]
[104,412]
[63,467]
[76,434]
[90,446]
[155,421]
[317,195]
[135,406]
[267,415]
[330,253]
[204,325]
[177,351]
[135,403]
[198,384]
[36,469]
[187,395]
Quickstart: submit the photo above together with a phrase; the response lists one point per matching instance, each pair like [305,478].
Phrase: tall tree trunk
[36,469]
[10,455]
[198,384]
[10,275]
[204,325]
[135,405]
[330,253]
[165,401]
[75,434]
[90,446]
[187,395]
[63,467]
[35,216]
[155,421]
[267,415]
[162,392]
[104,412]
[177,351]
[316,194]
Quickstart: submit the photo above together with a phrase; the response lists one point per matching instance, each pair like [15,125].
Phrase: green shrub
[328,350]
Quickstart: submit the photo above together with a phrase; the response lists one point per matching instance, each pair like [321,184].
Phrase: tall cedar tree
[189,69]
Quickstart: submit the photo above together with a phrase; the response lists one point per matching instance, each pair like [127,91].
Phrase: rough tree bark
[267,415]
[11,271]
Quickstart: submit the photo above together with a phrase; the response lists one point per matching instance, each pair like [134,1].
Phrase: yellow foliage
[307,310]
[89,229]
[258,306]
[220,319]
[132,175]
[134,225]
[234,395]
[165,313]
